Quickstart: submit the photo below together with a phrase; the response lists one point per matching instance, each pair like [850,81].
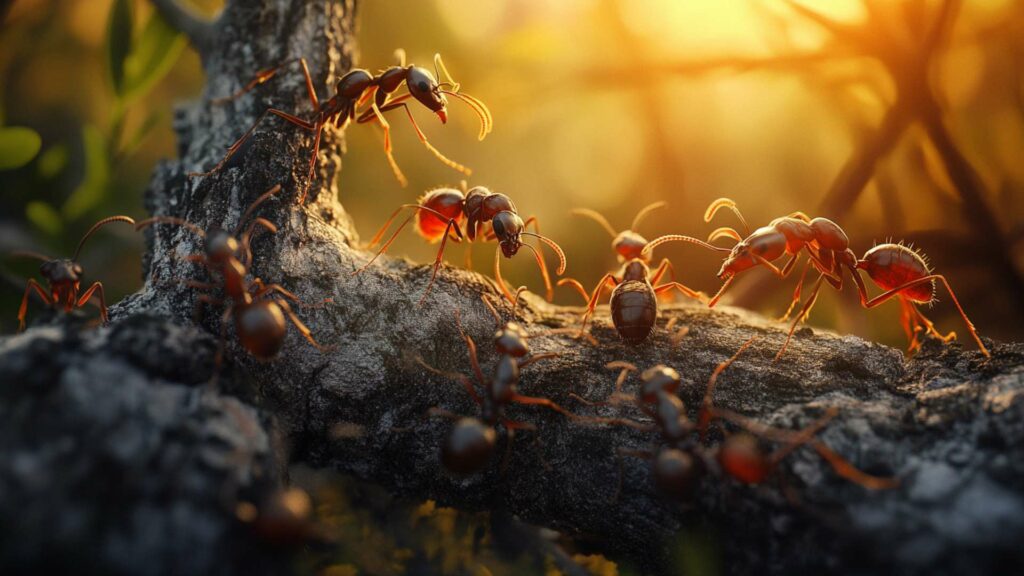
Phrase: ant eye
[422,86]
[499,227]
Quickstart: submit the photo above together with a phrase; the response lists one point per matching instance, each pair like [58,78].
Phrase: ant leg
[512,426]
[387,140]
[540,261]
[927,279]
[707,405]
[218,359]
[593,298]
[302,327]
[498,278]
[440,256]
[23,309]
[796,292]
[537,358]
[801,315]
[308,126]
[96,287]
[910,326]
[470,350]
[718,295]
[699,296]
[265,289]
[197,309]
[461,378]
[538,401]
[929,327]
[664,266]
[265,75]
[423,138]
[312,164]
[246,239]
[380,233]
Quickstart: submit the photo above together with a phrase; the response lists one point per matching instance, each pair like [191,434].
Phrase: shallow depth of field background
[604,104]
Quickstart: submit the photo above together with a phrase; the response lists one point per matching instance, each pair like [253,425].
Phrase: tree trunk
[117,453]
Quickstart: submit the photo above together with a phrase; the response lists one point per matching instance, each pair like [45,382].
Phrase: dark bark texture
[118,458]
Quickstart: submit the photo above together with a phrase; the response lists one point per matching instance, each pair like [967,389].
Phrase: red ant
[355,89]
[471,443]
[439,212]
[63,279]
[682,460]
[634,299]
[260,323]
[899,270]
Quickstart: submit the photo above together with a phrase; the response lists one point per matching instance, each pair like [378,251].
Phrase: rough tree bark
[116,453]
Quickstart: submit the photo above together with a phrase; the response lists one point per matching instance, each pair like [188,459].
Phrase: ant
[682,460]
[897,269]
[471,443]
[63,279]
[260,323]
[354,90]
[439,212]
[634,299]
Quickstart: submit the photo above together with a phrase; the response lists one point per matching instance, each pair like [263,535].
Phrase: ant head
[629,246]
[510,339]
[677,472]
[424,88]
[764,244]
[660,378]
[507,228]
[469,446]
[220,245]
[61,271]
[261,328]
[740,457]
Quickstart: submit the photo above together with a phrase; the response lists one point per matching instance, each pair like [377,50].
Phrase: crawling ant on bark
[470,445]
[634,298]
[357,88]
[63,279]
[682,458]
[439,212]
[897,269]
[259,322]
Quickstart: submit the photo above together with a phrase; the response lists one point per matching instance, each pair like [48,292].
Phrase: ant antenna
[482,112]
[171,220]
[644,212]
[440,67]
[730,204]
[554,247]
[678,238]
[400,56]
[30,254]
[596,217]
[96,227]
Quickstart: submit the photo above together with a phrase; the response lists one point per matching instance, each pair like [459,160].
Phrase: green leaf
[18,146]
[53,161]
[97,175]
[140,134]
[158,49]
[119,42]
[44,217]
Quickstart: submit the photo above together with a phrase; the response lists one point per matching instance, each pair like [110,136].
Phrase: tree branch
[187,21]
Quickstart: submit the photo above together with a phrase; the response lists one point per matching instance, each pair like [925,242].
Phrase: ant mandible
[682,460]
[897,269]
[63,279]
[439,212]
[355,89]
[634,298]
[471,443]
[260,323]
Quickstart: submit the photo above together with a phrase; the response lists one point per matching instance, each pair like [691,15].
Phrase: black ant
[355,89]
[260,323]
[682,460]
[470,444]
[634,299]
[63,279]
[900,271]
[439,212]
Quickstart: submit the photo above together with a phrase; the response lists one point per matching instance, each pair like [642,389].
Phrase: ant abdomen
[892,265]
[445,201]
[634,310]
[468,447]
[677,473]
[261,328]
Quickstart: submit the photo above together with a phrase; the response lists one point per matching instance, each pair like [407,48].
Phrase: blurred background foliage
[603,104]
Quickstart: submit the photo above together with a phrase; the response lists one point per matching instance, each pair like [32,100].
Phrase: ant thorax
[635,270]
